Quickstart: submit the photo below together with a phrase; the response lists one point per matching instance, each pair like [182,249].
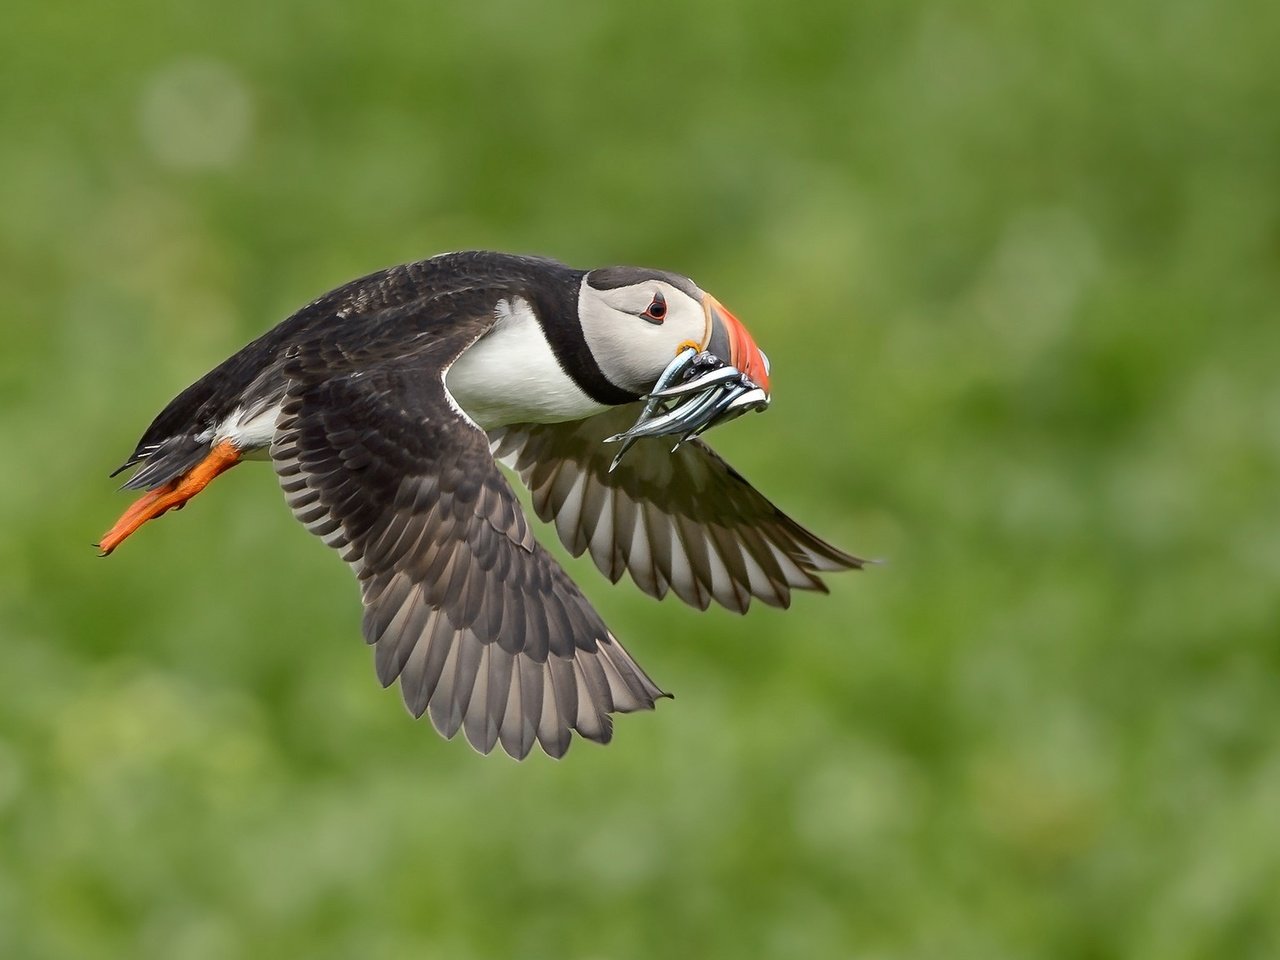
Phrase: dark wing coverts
[484,629]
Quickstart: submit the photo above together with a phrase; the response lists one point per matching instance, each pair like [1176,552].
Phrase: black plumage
[410,299]
[480,624]
[483,629]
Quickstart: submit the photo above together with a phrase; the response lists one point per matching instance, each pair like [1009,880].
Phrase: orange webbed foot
[171,496]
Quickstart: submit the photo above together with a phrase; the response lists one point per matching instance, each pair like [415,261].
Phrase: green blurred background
[1016,268]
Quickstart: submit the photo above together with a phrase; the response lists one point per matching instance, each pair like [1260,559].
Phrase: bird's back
[253,375]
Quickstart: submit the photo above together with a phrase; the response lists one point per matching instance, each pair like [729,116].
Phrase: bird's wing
[481,625]
[684,521]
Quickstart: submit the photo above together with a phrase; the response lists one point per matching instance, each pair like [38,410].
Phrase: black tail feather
[163,462]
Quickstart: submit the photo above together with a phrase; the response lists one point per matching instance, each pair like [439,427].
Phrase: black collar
[556,307]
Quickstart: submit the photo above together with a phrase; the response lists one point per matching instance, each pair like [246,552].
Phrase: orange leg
[172,495]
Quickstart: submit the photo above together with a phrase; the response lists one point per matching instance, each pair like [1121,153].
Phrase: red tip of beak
[728,339]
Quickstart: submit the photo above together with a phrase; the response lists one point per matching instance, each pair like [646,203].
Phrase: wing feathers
[684,522]
[442,706]
[484,630]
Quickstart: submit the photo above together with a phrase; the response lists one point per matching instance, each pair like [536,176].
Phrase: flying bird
[385,407]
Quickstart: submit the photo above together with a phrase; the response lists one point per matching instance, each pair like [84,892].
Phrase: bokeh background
[1016,266]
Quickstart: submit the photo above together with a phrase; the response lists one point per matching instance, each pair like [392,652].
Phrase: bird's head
[635,321]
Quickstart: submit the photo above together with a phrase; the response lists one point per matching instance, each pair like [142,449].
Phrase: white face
[634,330]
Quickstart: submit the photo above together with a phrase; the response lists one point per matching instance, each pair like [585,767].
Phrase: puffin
[386,407]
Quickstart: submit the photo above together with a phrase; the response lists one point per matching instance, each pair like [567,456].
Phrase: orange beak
[728,339]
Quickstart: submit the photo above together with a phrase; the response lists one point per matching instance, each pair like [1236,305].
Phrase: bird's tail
[171,477]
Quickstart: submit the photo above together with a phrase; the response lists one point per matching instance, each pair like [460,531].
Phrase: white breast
[511,375]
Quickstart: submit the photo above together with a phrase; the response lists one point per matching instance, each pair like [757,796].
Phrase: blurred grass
[1016,268]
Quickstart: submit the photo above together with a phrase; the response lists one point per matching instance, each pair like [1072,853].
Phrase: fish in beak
[704,387]
[728,339]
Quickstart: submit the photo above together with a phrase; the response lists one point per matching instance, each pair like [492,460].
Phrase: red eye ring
[656,312]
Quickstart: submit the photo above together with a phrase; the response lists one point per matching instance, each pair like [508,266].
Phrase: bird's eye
[656,312]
